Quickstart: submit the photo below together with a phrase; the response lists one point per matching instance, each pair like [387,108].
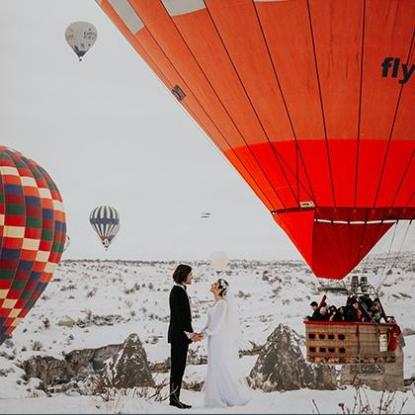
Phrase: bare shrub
[92,293]
[37,346]
[387,404]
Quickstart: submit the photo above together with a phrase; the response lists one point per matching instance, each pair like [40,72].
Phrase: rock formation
[120,366]
[281,365]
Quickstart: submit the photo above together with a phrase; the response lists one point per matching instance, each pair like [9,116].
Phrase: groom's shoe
[180,405]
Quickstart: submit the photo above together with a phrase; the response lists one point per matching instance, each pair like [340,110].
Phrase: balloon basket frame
[347,342]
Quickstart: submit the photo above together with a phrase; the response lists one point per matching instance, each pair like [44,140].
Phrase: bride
[224,385]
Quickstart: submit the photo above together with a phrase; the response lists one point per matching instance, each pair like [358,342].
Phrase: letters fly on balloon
[303,98]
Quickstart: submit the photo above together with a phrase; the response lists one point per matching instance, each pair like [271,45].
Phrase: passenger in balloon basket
[319,312]
[356,310]
[376,311]
[395,337]
[316,312]
[353,311]
[324,315]
[180,324]
[336,314]
[340,314]
[366,301]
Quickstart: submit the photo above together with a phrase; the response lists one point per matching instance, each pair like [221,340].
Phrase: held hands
[197,337]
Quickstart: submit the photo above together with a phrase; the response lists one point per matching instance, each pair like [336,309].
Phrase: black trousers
[178,365]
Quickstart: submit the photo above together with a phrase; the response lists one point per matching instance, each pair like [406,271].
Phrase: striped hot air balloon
[106,222]
[32,236]
[312,101]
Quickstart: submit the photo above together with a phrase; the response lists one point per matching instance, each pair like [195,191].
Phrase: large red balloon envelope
[32,235]
[312,101]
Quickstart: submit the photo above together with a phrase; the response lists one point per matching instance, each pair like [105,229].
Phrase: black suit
[180,321]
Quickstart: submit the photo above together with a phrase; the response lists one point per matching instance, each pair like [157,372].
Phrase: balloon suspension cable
[365,263]
[394,233]
[386,272]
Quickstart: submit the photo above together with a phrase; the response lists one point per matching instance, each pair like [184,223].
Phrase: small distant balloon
[81,36]
[219,261]
[106,222]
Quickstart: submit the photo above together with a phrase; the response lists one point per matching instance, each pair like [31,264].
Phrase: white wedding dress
[224,385]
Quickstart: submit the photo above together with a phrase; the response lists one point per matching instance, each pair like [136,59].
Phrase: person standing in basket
[180,333]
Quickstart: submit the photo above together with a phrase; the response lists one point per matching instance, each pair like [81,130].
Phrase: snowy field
[132,297]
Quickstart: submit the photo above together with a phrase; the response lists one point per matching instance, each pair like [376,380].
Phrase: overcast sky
[109,132]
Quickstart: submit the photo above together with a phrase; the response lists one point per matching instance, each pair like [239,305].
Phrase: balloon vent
[178,93]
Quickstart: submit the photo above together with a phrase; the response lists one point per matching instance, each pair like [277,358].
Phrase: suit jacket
[180,316]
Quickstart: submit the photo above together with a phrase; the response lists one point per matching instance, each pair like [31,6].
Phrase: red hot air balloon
[310,100]
[32,236]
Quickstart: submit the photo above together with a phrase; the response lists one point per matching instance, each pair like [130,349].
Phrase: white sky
[109,132]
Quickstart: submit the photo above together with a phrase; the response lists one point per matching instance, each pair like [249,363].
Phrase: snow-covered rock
[120,366]
[281,365]
[130,368]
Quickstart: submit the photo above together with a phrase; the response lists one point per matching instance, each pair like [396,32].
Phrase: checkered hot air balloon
[106,222]
[32,235]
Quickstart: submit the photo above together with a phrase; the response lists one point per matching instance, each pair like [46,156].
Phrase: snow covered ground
[132,297]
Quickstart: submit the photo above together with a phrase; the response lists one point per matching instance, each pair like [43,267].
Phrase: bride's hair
[223,285]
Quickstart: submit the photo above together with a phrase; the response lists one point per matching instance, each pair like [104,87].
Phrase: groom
[180,324]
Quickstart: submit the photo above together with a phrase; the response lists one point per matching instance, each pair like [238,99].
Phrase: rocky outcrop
[324,377]
[120,366]
[130,367]
[49,370]
[281,365]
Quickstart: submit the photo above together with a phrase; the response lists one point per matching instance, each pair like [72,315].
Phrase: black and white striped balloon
[106,222]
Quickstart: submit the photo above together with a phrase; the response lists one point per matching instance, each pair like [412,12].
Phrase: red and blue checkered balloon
[32,236]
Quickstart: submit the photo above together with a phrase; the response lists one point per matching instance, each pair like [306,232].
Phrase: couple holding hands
[223,384]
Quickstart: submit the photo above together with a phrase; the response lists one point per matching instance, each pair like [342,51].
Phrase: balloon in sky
[219,261]
[32,235]
[106,222]
[81,36]
[312,101]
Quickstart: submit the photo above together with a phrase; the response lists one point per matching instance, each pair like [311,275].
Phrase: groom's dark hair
[181,272]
